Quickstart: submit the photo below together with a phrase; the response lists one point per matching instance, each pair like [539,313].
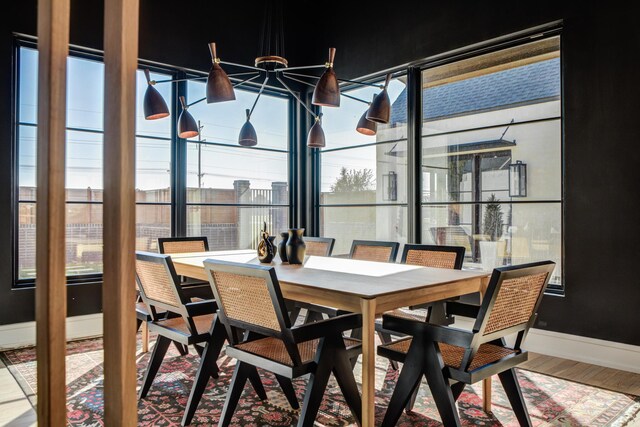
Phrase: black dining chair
[250,299]
[451,358]
[179,245]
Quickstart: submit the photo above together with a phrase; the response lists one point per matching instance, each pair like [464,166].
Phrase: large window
[233,190]
[481,115]
[84,168]
[363,178]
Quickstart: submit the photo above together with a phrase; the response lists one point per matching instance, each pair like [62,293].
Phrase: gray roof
[520,85]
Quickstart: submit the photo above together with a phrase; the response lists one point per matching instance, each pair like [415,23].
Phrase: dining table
[366,287]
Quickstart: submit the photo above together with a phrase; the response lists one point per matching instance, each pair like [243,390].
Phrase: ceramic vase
[296,247]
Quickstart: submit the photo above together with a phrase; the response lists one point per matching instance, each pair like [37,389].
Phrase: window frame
[178,147]
[414,72]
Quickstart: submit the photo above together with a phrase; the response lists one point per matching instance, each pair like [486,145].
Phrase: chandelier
[270,67]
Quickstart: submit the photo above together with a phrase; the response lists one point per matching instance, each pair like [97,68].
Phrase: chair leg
[440,390]
[287,388]
[313,316]
[412,399]
[160,349]
[457,390]
[256,382]
[206,369]
[385,338]
[343,373]
[138,324]
[511,387]
[408,381]
[317,385]
[196,347]
[238,381]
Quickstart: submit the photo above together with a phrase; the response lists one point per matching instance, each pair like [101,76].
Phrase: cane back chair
[450,358]
[179,245]
[181,321]
[250,299]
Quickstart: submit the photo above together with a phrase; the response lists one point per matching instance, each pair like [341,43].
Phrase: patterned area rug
[551,401]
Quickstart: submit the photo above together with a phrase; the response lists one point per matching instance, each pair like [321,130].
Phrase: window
[85,100]
[481,115]
[363,178]
[233,190]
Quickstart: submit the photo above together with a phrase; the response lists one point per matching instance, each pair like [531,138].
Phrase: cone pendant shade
[219,87]
[365,126]
[187,126]
[154,105]
[248,136]
[315,139]
[327,90]
[380,109]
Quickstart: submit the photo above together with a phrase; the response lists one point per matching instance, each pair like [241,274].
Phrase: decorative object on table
[296,247]
[271,67]
[266,246]
[492,225]
[282,246]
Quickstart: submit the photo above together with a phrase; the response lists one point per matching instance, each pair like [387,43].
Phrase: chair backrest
[371,250]
[249,298]
[177,245]
[158,283]
[512,299]
[450,257]
[319,246]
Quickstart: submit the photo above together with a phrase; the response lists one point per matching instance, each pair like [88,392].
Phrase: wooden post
[51,292]
[118,295]
[368,308]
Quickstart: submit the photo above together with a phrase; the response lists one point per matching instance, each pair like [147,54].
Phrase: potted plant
[492,226]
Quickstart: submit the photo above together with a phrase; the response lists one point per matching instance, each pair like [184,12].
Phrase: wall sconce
[518,179]
[390,187]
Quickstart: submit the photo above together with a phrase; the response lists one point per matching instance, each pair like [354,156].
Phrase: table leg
[368,308]
[145,337]
[486,395]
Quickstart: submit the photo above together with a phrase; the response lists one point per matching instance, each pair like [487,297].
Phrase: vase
[266,249]
[296,247]
[282,246]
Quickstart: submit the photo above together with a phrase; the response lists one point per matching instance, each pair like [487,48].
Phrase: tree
[353,180]
[493,218]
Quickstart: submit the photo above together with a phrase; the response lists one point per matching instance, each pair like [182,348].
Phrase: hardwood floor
[597,376]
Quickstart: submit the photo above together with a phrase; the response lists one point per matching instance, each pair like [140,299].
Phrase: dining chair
[435,256]
[316,246]
[250,299]
[372,250]
[319,246]
[185,322]
[179,245]
[450,358]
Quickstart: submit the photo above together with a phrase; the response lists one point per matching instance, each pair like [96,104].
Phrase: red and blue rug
[551,401]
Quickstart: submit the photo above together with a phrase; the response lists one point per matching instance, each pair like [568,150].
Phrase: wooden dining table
[366,287]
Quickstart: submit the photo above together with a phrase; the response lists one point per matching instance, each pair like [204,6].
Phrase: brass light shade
[366,126]
[219,87]
[327,90]
[248,136]
[154,105]
[315,139]
[187,126]
[380,109]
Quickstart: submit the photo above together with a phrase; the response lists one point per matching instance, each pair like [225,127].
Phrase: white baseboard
[581,349]
[24,334]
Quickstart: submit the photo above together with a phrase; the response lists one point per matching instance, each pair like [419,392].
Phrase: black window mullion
[178,165]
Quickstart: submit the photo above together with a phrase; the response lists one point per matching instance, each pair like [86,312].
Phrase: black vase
[282,246]
[296,247]
[266,249]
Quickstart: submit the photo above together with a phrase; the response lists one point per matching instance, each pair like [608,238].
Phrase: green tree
[493,221]
[353,180]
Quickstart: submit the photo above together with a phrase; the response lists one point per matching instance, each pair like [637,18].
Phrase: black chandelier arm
[248,67]
[288,74]
[264,83]
[296,97]
[178,80]
[306,67]
[197,102]
[247,80]
[355,98]
[297,80]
